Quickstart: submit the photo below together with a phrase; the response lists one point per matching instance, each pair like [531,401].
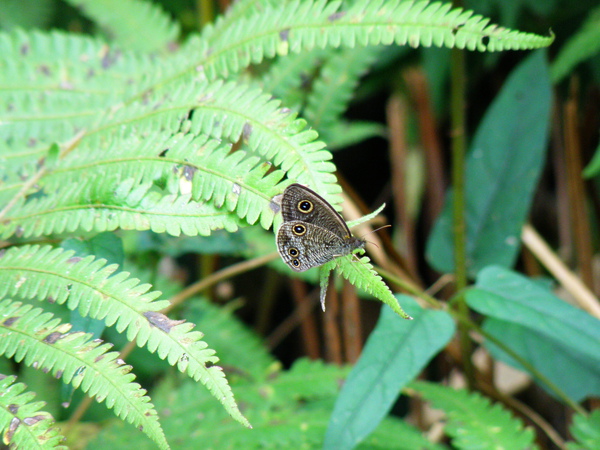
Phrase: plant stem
[470,325]
[409,287]
[457,104]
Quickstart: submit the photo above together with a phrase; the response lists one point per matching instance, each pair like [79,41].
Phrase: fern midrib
[276,32]
[181,162]
[257,37]
[32,118]
[118,208]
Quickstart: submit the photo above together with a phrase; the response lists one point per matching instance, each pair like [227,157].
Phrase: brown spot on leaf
[44,69]
[275,203]
[14,424]
[24,49]
[14,409]
[10,320]
[161,321]
[188,172]
[53,337]
[34,419]
[247,131]
[336,16]
[59,375]
[110,58]
[284,34]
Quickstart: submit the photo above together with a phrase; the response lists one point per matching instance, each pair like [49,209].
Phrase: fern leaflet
[131,24]
[41,341]
[28,426]
[474,423]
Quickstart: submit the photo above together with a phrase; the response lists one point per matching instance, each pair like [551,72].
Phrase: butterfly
[312,232]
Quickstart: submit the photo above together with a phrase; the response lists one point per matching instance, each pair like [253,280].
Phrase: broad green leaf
[473,422]
[582,45]
[586,431]
[593,168]
[559,340]
[395,353]
[503,166]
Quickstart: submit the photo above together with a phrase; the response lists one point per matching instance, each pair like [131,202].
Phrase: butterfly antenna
[376,229]
[373,231]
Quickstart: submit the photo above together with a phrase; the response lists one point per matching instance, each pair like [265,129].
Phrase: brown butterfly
[312,232]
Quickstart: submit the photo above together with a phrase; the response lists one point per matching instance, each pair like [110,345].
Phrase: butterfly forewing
[300,203]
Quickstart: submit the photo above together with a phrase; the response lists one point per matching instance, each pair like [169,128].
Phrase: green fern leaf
[95,291]
[586,431]
[360,273]
[41,341]
[334,87]
[91,206]
[287,74]
[234,110]
[80,77]
[22,423]
[301,26]
[131,24]
[473,422]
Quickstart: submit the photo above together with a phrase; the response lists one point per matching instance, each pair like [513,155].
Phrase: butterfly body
[312,232]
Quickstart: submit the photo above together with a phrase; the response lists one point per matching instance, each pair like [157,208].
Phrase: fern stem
[457,102]
[216,277]
[67,147]
[81,409]
[468,324]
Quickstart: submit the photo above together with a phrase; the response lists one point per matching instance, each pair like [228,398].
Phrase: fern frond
[473,422]
[287,74]
[131,24]
[95,291]
[22,423]
[40,340]
[304,25]
[362,275]
[335,84]
[234,181]
[91,206]
[55,84]
[232,111]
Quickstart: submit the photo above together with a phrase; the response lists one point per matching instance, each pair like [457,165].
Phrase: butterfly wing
[302,204]
[313,247]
